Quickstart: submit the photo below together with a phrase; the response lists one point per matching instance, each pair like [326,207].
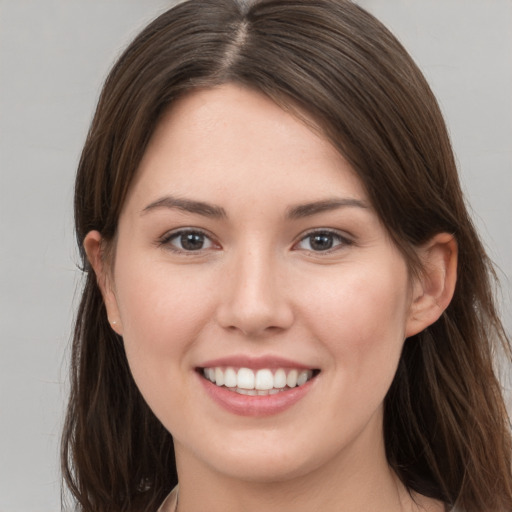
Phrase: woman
[286,305]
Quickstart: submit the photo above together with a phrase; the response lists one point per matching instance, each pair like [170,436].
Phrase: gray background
[54,55]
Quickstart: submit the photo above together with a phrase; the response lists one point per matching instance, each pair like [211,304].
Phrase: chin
[265,469]
[256,461]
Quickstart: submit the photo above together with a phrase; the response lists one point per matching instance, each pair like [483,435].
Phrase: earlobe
[93,249]
[433,289]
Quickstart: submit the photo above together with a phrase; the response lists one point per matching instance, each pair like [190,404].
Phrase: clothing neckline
[170,503]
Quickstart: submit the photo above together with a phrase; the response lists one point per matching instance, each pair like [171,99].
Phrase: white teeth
[280,379]
[291,379]
[261,382]
[230,378]
[242,391]
[219,377]
[245,379]
[264,380]
[302,378]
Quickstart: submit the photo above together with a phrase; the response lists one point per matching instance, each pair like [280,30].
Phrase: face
[248,254]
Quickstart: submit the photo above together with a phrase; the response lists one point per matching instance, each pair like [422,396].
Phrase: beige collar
[171,502]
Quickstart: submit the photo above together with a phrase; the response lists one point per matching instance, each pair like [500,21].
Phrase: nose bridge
[255,300]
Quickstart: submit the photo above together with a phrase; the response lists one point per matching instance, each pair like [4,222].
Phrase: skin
[259,287]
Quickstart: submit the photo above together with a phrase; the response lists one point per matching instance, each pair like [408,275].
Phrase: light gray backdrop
[54,55]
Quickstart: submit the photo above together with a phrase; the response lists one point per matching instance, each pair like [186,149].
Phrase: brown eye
[321,241]
[188,241]
[192,241]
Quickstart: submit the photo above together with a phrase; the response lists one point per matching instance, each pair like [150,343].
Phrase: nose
[255,301]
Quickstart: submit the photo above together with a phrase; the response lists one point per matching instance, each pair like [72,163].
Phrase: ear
[93,245]
[433,289]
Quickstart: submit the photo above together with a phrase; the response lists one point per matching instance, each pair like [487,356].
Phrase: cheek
[360,317]
[359,303]
[162,310]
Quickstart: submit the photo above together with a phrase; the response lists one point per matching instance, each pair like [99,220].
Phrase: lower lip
[247,405]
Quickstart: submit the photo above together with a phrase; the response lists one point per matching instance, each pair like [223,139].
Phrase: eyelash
[167,239]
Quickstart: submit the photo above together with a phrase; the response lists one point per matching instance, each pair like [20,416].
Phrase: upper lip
[255,363]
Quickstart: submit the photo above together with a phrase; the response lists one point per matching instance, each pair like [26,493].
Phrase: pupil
[192,241]
[321,242]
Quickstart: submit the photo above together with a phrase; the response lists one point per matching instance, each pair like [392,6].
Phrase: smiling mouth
[262,382]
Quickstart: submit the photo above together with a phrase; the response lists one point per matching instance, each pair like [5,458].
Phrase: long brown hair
[446,429]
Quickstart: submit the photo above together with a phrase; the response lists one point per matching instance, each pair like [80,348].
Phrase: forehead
[237,140]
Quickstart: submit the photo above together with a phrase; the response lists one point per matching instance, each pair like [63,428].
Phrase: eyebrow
[309,209]
[187,205]
[294,212]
